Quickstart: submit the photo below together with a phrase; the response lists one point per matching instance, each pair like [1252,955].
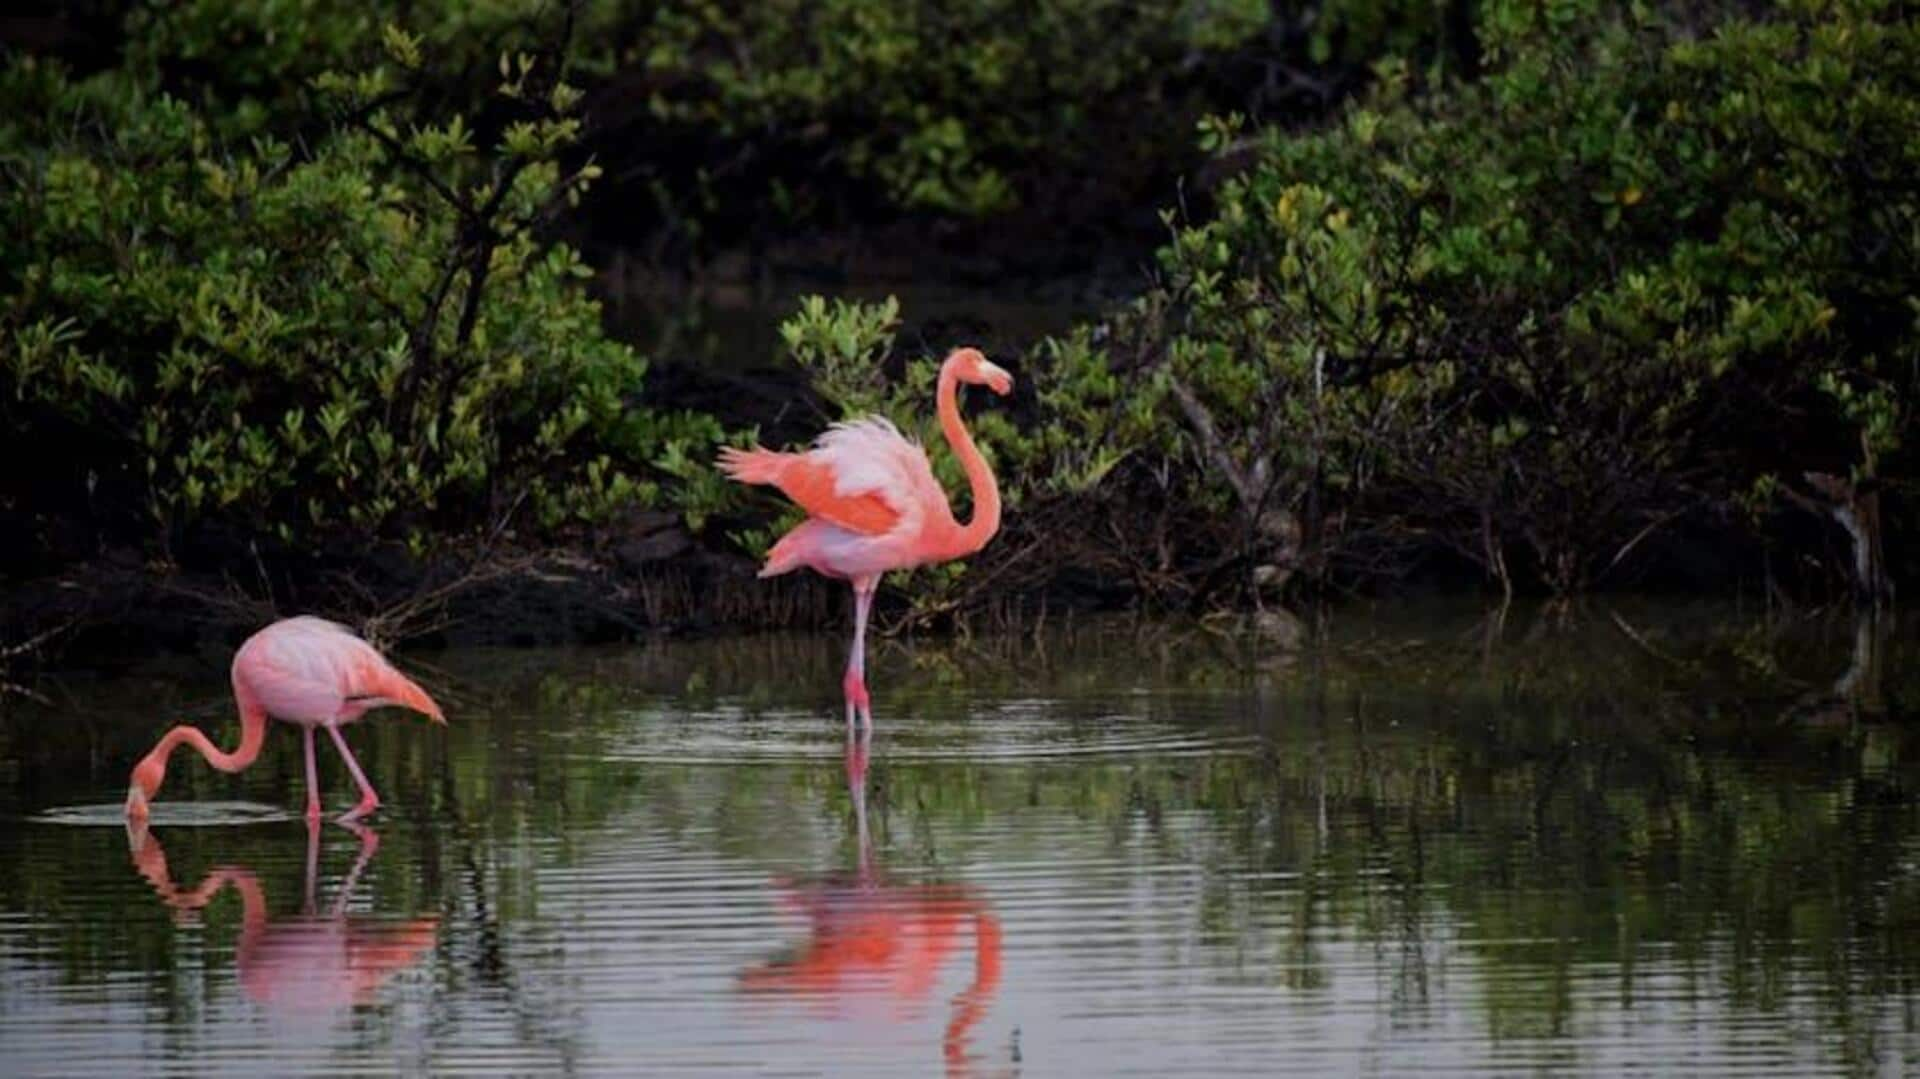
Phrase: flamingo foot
[855,687]
[367,805]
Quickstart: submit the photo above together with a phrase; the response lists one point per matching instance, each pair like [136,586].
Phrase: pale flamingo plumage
[306,671]
[873,504]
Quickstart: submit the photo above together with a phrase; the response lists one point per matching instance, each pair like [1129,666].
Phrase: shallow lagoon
[1679,838]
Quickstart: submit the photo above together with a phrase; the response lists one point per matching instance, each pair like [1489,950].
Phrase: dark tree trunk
[1856,509]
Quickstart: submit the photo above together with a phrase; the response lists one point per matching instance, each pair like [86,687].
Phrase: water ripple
[175,813]
[1016,732]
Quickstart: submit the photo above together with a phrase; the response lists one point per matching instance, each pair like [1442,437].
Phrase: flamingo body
[312,672]
[873,504]
[306,671]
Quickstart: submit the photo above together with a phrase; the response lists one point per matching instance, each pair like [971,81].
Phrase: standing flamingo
[873,505]
[306,671]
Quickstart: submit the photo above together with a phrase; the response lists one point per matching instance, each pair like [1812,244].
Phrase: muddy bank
[655,580]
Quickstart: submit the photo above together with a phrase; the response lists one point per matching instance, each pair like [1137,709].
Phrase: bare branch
[1210,443]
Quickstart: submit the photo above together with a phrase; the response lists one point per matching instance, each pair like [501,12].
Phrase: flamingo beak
[136,803]
[138,838]
[998,380]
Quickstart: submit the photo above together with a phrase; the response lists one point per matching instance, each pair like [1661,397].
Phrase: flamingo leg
[313,780]
[369,801]
[313,841]
[855,683]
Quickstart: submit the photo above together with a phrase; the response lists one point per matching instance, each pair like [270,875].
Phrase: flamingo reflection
[877,938]
[311,962]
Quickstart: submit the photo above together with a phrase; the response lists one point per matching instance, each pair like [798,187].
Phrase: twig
[34,642]
[1640,535]
[424,611]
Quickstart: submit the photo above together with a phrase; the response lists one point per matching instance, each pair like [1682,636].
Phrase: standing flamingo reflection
[870,936]
[311,962]
[873,504]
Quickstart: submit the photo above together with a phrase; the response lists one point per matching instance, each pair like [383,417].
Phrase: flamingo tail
[401,690]
[752,465]
[787,555]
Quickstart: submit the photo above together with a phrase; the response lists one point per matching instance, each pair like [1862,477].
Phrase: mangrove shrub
[1636,275]
[365,333]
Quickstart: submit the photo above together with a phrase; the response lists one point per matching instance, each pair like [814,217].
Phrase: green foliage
[1558,307]
[363,332]
[248,66]
[978,108]
[795,109]
[843,347]
[889,94]
[1090,414]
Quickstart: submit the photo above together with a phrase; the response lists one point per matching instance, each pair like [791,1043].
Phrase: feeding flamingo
[873,505]
[306,671]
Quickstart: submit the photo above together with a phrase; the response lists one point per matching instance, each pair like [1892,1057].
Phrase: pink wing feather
[861,475]
[308,669]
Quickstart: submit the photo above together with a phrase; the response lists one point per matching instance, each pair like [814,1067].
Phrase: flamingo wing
[862,475]
[311,669]
[287,668]
[814,486]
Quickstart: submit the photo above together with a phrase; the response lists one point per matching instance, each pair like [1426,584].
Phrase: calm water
[1628,837]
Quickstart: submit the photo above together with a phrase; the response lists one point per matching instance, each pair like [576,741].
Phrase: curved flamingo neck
[253,735]
[244,755]
[986,491]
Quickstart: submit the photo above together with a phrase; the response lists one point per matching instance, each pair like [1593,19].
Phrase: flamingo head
[147,776]
[972,367]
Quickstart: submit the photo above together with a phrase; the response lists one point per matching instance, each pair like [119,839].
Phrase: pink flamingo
[306,671]
[873,505]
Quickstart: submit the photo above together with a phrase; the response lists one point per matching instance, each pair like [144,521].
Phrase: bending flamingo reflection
[871,936]
[310,962]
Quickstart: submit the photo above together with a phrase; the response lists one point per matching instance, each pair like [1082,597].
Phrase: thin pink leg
[313,781]
[313,843]
[855,683]
[369,801]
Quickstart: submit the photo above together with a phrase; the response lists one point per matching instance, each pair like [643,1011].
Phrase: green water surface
[1433,838]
